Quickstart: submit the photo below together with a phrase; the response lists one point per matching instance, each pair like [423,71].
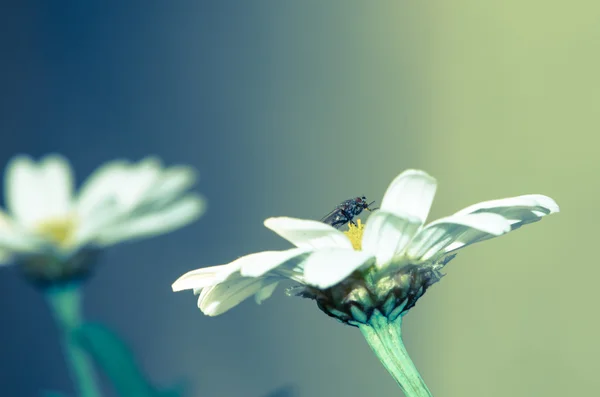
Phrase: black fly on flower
[346,211]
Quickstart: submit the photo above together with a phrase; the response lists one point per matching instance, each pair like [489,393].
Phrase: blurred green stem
[385,338]
[65,302]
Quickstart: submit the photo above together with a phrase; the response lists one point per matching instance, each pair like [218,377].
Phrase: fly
[346,211]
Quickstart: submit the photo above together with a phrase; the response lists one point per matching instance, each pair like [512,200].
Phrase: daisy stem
[65,302]
[385,338]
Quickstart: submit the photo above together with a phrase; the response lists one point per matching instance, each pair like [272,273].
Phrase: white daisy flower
[54,233]
[384,266]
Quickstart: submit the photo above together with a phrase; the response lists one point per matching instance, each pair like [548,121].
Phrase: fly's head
[363,204]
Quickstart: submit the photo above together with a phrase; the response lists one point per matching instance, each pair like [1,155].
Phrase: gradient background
[287,108]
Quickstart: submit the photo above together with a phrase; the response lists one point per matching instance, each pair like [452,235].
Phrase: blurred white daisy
[53,232]
[383,266]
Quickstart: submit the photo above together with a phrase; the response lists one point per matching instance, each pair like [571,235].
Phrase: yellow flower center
[355,234]
[58,230]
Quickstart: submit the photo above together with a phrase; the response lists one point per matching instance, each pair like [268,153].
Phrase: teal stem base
[65,303]
[385,338]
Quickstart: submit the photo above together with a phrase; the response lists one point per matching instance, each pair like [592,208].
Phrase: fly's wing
[336,218]
[331,217]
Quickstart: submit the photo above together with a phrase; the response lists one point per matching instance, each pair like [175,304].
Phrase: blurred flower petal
[173,217]
[34,192]
[119,201]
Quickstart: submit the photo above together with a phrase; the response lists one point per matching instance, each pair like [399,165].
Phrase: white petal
[122,201]
[204,277]
[260,263]
[57,177]
[20,187]
[37,192]
[102,186]
[518,210]
[119,181]
[172,182]
[220,298]
[307,233]
[265,292]
[327,267]
[91,228]
[439,234]
[468,237]
[387,235]
[410,194]
[139,181]
[173,217]
[15,239]
[20,242]
[252,265]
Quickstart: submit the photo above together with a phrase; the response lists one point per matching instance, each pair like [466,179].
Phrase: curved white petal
[162,221]
[307,233]
[222,297]
[248,266]
[102,187]
[387,235]
[57,177]
[327,267]
[172,182]
[21,242]
[518,210]
[204,277]
[38,191]
[139,181]
[467,237]
[435,237]
[265,292]
[93,227]
[20,187]
[121,201]
[260,263]
[14,239]
[410,195]
[122,183]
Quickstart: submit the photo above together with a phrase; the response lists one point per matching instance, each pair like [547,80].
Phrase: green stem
[385,338]
[65,302]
